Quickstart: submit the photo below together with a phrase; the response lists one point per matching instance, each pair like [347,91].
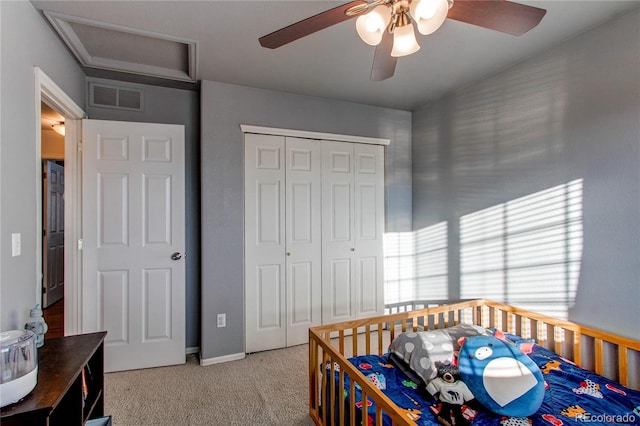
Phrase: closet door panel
[300,275]
[340,284]
[300,200]
[369,229]
[341,220]
[265,242]
[269,307]
[268,212]
[367,270]
[338,287]
[303,238]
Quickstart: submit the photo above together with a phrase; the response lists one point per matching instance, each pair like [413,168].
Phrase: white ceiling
[334,62]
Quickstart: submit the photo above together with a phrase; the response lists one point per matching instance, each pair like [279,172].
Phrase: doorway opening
[64,314]
[52,155]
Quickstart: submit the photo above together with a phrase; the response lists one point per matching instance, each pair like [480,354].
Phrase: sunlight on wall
[399,267]
[415,265]
[526,252]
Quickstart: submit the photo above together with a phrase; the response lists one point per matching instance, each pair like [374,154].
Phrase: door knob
[353,249]
[288,254]
[176,256]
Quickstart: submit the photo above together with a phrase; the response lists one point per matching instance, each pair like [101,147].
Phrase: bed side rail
[375,333]
[325,362]
[612,356]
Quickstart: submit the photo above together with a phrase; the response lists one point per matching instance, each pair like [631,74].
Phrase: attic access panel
[112,47]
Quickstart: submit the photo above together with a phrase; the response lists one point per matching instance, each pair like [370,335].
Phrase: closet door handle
[288,254]
[353,249]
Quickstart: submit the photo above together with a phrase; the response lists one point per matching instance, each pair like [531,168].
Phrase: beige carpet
[265,388]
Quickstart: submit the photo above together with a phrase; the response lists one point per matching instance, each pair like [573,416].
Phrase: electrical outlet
[222,320]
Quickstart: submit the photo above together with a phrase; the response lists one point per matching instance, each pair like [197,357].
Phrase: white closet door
[314,219]
[338,241]
[369,229]
[303,238]
[264,242]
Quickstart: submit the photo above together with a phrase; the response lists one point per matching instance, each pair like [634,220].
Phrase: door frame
[46,90]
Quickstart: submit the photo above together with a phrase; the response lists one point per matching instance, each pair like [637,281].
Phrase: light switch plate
[16,244]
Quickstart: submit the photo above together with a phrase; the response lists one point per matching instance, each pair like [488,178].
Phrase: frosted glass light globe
[404,41]
[429,15]
[371,26]
[424,9]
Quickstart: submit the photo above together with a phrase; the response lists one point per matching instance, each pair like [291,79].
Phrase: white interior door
[338,241]
[265,299]
[53,235]
[369,229]
[133,241]
[303,238]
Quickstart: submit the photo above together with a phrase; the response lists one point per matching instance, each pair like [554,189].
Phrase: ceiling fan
[389,24]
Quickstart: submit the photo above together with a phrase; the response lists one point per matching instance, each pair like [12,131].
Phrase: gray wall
[173,106]
[26,41]
[572,112]
[224,108]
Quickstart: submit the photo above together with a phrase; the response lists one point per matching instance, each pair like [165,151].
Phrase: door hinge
[44,175]
[44,232]
[80,245]
[80,146]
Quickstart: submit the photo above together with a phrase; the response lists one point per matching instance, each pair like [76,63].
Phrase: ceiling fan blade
[499,15]
[308,26]
[384,65]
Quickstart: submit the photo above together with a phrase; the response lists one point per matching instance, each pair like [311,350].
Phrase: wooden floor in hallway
[54,317]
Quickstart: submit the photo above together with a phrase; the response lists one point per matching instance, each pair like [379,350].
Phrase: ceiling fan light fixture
[371,26]
[404,41]
[394,36]
[429,15]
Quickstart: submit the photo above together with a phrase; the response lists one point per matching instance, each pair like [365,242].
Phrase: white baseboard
[193,350]
[217,360]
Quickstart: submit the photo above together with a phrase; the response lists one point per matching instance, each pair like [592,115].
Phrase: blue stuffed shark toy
[501,376]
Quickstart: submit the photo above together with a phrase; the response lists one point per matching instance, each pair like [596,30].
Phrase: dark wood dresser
[70,387]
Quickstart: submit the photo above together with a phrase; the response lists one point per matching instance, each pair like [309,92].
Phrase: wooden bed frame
[612,356]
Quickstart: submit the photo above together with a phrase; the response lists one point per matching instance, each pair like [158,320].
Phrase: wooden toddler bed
[335,375]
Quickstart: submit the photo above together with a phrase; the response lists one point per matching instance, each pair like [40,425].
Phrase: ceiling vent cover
[104,96]
[117,48]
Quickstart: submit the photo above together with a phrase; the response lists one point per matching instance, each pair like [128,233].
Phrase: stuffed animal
[501,377]
[453,393]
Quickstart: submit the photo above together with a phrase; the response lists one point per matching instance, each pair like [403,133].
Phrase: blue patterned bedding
[573,396]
